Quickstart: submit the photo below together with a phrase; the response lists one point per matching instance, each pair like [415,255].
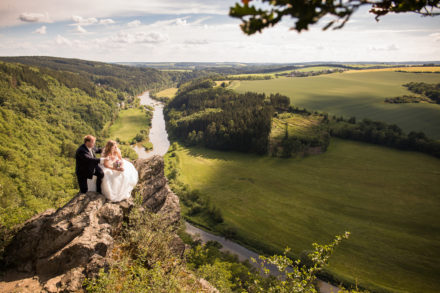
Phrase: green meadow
[388,199]
[129,123]
[357,93]
[168,93]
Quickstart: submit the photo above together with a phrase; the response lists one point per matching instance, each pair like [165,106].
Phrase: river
[159,139]
[158,133]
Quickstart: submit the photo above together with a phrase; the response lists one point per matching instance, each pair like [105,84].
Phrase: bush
[128,152]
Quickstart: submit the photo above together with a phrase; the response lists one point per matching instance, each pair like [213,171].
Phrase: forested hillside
[44,113]
[124,78]
[219,118]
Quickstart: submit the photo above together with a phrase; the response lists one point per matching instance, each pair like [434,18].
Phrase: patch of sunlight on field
[167,93]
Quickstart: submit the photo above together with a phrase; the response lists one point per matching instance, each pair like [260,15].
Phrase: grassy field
[169,93]
[388,199]
[360,94]
[296,124]
[128,124]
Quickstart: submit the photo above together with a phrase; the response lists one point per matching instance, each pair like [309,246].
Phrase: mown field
[388,200]
[357,93]
[128,124]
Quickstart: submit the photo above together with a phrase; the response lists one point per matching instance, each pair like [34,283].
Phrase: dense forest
[219,118]
[128,79]
[45,110]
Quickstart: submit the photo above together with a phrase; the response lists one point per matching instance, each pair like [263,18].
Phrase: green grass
[169,93]
[128,124]
[388,199]
[297,124]
[359,94]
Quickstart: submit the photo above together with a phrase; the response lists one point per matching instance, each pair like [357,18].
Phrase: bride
[120,176]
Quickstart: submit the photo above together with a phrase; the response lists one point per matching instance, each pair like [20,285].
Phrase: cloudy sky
[201,30]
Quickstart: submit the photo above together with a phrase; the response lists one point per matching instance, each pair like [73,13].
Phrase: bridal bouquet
[117,164]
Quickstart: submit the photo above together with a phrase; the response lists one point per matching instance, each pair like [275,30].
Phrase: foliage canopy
[308,12]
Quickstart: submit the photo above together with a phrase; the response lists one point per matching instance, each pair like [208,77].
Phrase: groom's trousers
[82,180]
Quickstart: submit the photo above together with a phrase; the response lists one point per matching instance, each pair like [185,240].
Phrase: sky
[202,31]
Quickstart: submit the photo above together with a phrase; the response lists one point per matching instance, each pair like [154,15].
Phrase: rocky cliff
[57,249]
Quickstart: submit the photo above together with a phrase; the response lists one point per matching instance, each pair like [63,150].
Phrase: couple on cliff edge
[115,176]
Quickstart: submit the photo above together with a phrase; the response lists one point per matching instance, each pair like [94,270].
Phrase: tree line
[430,91]
[381,133]
[426,93]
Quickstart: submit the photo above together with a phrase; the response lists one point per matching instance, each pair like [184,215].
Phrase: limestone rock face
[157,195]
[61,248]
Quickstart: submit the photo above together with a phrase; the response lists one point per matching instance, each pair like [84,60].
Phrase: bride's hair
[108,148]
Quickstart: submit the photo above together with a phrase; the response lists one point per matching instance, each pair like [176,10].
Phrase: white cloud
[60,40]
[34,17]
[196,42]
[188,37]
[200,20]
[139,37]
[41,30]
[435,36]
[181,21]
[134,23]
[84,21]
[80,29]
[106,21]
[63,10]
[392,47]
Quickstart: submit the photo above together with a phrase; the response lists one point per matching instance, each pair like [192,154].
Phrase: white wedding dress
[117,185]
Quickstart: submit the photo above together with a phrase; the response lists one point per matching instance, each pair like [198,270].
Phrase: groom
[87,164]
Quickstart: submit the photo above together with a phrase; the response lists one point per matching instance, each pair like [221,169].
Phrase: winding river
[158,133]
[159,139]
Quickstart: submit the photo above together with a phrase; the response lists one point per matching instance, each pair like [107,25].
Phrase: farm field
[272,74]
[407,69]
[128,124]
[388,200]
[358,93]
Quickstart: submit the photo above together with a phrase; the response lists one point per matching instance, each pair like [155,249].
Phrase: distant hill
[126,78]
[243,68]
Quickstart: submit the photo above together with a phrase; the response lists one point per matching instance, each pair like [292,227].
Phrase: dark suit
[87,166]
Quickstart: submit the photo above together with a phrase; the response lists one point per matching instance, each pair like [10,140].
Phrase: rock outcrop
[60,248]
